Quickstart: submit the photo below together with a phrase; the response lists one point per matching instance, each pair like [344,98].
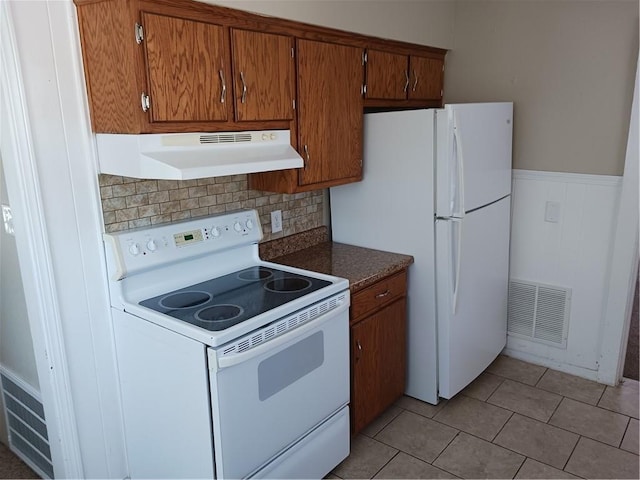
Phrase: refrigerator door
[392,209]
[473,158]
[472,267]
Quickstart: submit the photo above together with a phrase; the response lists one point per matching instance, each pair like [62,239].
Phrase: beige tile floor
[517,420]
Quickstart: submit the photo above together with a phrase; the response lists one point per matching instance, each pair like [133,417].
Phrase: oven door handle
[231,360]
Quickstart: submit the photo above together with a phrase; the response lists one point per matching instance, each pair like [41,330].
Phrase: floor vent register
[28,437]
[539,312]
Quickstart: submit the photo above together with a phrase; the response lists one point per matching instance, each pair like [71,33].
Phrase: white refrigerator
[437,185]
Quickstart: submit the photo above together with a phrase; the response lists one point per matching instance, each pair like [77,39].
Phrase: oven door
[267,398]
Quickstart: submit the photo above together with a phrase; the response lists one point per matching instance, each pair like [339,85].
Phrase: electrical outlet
[552,212]
[276,221]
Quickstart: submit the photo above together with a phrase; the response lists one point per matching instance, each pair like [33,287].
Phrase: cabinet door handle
[359,349]
[406,84]
[306,153]
[244,88]
[145,102]
[224,87]
[415,84]
[383,294]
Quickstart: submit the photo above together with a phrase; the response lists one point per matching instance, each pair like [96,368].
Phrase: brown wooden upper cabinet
[329,119]
[188,70]
[154,67]
[330,78]
[264,75]
[398,77]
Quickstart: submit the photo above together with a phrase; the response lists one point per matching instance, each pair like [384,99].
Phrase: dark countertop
[361,266]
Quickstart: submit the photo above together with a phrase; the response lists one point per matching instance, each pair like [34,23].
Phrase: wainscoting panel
[561,234]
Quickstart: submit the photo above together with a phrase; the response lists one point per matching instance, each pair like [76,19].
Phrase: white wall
[426,22]
[573,252]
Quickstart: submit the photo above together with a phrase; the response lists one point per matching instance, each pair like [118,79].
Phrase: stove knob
[134,249]
[237,227]
[152,246]
[249,224]
[215,232]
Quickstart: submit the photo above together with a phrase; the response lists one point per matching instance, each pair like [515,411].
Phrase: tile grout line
[520,467]
[624,434]
[502,428]
[546,369]
[388,462]
[442,451]
[604,390]
[431,463]
[571,455]
[554,411]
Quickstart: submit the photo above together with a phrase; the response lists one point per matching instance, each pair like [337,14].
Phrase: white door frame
[624,273]
[35,259]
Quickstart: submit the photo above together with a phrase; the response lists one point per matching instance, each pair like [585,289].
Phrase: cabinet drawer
[378,295]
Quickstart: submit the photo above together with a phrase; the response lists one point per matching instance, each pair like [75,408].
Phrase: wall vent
[539,312]
[27,428]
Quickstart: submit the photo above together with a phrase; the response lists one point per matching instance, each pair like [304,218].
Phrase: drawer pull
[383,294]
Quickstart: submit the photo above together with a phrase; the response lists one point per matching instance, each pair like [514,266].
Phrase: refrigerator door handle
[457,251]
[459,187]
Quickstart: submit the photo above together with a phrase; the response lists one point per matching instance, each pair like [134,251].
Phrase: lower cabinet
[378,349]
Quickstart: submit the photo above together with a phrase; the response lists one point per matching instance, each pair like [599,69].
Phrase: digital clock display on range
[187,238]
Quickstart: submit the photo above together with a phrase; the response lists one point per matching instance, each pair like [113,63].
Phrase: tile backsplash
[131,203]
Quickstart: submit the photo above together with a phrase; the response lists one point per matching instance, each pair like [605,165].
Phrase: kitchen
[82,207]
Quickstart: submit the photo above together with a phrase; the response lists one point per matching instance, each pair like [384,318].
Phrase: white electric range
[229,366]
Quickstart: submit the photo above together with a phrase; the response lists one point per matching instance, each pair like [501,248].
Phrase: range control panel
[147,247]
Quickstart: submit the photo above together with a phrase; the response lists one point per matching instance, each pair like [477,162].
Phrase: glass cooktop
[225,301]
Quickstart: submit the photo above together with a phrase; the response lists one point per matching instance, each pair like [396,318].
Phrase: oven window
[294,362]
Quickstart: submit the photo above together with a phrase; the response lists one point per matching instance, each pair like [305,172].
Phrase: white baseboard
[552,364]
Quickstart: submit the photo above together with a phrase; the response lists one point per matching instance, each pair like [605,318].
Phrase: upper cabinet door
[187,69]
[264,73]
[426,76]
[330,105]
[387,75]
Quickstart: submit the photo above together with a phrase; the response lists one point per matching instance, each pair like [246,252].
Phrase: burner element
[184,299]
[219,313]
[255,273]
[287,285]
[227,300]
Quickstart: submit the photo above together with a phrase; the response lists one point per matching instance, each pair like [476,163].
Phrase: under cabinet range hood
[186,156]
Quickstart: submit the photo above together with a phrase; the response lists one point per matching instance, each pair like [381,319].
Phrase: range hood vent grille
[225,138]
